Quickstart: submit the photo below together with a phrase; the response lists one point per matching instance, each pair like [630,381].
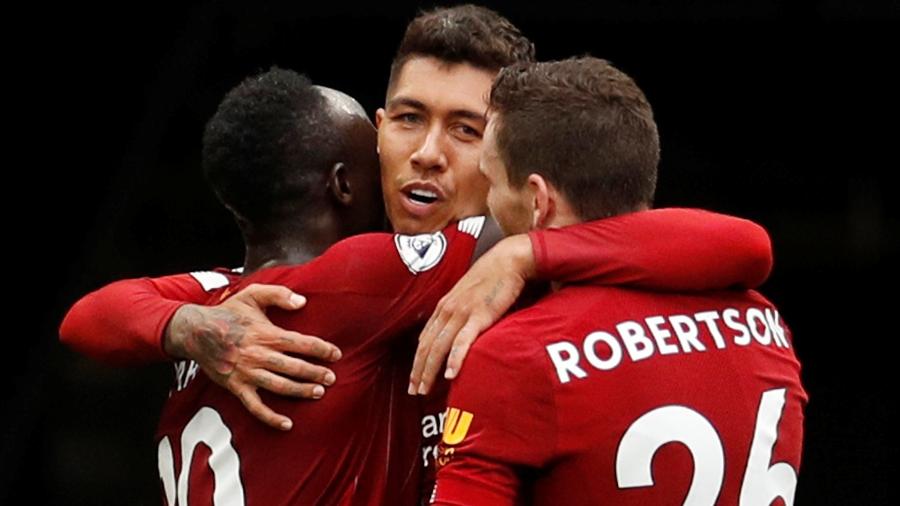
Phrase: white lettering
[565,365]
[603,350]
[777,330]
[429,451]
[660,335]
[590,346]
[686,331]
[755,319]
[730,315]
[709,318]
[185,371]
[430,426]
[637,343]
[179,374]
[191,372]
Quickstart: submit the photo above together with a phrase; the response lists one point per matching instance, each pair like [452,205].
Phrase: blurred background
[778,113]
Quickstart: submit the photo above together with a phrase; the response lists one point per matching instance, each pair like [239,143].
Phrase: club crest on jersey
[421,252]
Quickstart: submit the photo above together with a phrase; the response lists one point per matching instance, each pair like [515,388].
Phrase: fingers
[310,347]
[296,368]
[244,383]
[433,361]
[263,296]
[460,349]
[480,320]
[448,336]
[434,326]
[251,400]
[284,386]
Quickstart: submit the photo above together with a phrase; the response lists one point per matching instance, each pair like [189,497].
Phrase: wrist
[520,255]
[178,331]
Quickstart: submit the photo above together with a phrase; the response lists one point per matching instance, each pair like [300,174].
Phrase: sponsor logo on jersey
[445,454]
[421,252]
[456,427]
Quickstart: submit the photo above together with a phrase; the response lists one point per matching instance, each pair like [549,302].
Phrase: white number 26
[762,482]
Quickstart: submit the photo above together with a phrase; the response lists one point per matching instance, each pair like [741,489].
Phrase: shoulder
[557,311]
[213,279]
[517,346]
[511,354]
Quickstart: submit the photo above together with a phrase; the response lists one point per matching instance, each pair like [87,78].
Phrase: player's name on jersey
[185,371]
[636,340]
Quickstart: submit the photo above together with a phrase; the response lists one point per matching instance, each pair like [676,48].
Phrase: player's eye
[467,132]
[408,117]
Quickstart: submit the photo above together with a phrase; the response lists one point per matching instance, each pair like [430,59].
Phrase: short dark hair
[463,34]
[266,145]
[583,125]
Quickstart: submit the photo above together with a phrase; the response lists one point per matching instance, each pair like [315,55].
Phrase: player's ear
[339,184]
[542,201]
[379,117]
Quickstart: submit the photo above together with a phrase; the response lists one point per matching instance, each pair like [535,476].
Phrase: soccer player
[296,166]
[575,399]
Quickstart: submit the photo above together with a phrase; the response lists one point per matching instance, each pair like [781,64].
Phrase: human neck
[563,215]
[288,243]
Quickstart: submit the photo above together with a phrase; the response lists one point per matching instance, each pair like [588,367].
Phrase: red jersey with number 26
[615,396]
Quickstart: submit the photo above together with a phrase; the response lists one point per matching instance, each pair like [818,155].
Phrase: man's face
[511,206]
[429,138]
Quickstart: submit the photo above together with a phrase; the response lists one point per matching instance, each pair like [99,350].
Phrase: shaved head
[274,142]
[340,102]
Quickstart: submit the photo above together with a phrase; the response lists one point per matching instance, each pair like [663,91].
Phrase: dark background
[779,113]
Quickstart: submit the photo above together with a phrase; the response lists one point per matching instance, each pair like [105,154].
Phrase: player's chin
[412,225]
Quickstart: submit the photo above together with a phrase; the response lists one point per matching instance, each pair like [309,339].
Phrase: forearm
[181,326]
[665,249]
[121,323]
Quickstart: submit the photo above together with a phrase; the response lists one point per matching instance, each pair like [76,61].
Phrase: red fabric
[669,249]
[553,433]
[359,440]
[123,322]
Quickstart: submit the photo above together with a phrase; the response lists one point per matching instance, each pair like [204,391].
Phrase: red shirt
[363,293]
[575,399]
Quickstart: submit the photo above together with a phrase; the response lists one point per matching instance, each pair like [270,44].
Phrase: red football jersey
[362,293]
[615,396]
[672,249]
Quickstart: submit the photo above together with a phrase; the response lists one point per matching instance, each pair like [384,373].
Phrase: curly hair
[264,148]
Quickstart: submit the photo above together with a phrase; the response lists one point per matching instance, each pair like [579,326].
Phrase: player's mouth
[421,198]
